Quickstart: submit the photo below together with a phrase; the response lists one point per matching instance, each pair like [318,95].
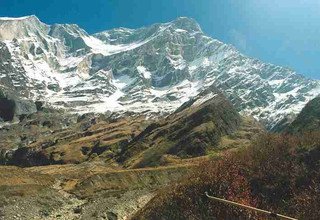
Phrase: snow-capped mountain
[150,70]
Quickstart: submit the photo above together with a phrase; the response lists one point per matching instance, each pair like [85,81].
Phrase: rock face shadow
[7,109]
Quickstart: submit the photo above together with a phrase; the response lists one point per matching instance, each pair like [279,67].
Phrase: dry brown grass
[17,182]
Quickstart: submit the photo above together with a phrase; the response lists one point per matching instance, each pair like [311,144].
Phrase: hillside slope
[279,173]
[194,129]
[308,119]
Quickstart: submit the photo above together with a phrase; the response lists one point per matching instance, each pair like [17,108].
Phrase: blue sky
[283,32]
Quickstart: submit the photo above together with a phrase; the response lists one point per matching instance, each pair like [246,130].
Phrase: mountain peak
[20,27]
[29,17]
[73,29]
[157,68]
[186,23]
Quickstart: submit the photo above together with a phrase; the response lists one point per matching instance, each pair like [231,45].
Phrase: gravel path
[70,210]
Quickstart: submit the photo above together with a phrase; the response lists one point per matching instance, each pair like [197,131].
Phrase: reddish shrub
[277,173]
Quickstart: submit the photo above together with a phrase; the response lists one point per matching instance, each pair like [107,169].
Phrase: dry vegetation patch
[278,172]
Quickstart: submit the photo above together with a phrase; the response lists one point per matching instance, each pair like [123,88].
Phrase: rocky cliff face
[151,70]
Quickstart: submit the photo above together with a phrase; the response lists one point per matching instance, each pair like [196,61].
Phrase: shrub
[278,172]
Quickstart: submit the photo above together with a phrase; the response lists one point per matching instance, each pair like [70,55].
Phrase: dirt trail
[70,210]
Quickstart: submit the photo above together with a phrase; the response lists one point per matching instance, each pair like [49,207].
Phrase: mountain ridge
[308,120]
[150,70]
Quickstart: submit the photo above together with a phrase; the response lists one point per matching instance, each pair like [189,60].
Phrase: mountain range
[149,71]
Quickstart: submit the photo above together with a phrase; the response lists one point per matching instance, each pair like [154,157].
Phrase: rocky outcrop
[25,107]
[11,107]
[7,109]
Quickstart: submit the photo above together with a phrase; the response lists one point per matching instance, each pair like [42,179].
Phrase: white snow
[122,82]
[177,61]
[200,62]
[276,82]
[112,103]
[83,81]
[144,72]
[14,19]
[180,30]
[204,99]
[108,49]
